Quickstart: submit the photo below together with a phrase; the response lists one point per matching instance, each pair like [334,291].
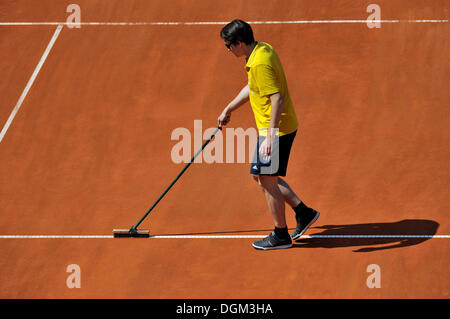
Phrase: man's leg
[289,196]
[304,215]
[275,199]
[280,237]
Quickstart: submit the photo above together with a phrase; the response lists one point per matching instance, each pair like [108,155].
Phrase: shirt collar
[251,58]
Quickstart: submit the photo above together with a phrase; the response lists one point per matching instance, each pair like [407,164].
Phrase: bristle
[141,233]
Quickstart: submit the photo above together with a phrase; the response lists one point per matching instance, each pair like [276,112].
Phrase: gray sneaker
[303,222]
[272,242]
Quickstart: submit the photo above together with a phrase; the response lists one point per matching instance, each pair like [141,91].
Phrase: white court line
[217,236]
[30,82]
[178,23]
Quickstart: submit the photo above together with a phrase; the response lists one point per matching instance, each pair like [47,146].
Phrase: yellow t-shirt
[266,77]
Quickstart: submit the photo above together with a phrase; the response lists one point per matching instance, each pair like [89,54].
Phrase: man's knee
[268,182]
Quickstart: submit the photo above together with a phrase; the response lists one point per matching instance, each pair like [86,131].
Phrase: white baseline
[180,23]
[219,236]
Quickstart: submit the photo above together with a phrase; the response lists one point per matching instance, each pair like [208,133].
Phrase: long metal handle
[133,228]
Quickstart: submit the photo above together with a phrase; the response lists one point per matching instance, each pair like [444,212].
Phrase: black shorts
[281,149]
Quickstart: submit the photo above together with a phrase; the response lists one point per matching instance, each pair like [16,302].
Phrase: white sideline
[30,82]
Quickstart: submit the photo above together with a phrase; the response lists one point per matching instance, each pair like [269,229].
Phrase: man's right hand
[224,118]
[240,99]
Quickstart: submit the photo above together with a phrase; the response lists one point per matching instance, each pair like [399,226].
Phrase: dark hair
[237,30]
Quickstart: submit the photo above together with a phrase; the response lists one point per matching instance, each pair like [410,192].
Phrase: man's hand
[239,100]
[224,118]
[265,148]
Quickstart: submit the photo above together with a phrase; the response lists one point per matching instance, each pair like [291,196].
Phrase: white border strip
[175,23]
[30,82]
[54,236]
[215,236]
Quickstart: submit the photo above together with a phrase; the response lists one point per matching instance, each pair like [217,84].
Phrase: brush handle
[134,228]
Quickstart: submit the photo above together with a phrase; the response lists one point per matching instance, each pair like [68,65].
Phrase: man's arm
[277,102]
[239,100]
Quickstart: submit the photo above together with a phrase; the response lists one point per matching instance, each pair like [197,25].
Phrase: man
[277,123]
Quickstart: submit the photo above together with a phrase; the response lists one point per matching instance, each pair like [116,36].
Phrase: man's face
[235,48]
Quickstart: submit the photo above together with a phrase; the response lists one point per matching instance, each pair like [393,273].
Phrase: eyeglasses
[228,45]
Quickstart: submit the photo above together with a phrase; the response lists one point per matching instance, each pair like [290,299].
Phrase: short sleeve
[266,80]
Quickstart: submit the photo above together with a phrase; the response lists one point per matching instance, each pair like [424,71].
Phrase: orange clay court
[87,114]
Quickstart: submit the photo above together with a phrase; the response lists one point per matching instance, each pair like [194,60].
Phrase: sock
[300,208]
[282,232]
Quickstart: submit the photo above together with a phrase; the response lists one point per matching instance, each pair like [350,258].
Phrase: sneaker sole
[306,228]
[275,247]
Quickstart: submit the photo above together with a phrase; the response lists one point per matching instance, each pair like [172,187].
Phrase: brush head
[132,232]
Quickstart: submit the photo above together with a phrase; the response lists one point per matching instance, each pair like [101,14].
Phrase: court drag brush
[145,233]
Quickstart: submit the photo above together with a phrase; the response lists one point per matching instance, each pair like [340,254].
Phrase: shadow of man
[409,227]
